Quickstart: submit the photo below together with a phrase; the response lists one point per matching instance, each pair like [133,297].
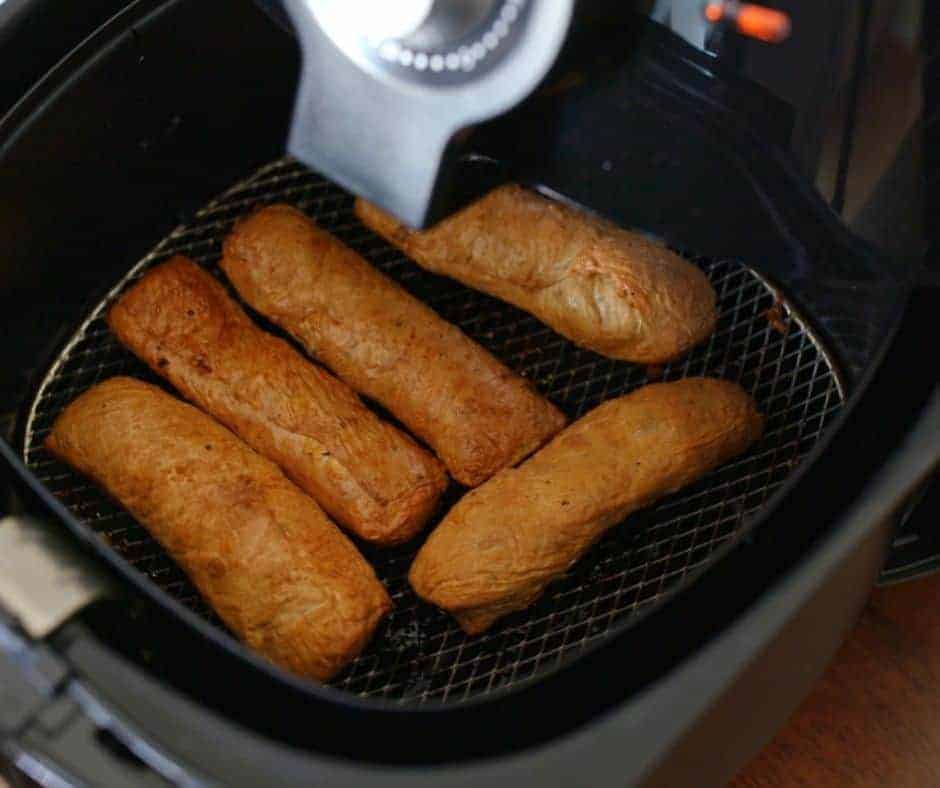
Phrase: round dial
[426,41]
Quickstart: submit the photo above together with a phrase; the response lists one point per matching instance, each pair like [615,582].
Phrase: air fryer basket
[666,143]
[420,654]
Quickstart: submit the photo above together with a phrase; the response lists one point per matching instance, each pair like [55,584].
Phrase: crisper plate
[419,654]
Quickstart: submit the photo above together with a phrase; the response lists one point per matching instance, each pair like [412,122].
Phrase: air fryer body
[173,101]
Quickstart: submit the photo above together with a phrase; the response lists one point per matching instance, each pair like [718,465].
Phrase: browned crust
[262,553]
[372,478]
[474,412]
[612,291]
[504,542]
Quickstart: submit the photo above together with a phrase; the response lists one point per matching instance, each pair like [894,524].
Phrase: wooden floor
[874,718]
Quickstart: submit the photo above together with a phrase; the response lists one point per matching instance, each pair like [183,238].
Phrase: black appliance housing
[169,102]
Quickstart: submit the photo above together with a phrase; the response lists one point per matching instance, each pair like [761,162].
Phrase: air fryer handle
[53,731]
[44,578]
[50,728]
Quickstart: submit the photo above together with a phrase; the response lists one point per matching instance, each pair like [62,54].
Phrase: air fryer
[673,649]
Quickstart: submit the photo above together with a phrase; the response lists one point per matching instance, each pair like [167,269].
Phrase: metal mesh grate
[420,654]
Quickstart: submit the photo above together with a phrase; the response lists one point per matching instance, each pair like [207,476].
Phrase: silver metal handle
[379,116]
[44,579]
[51,728]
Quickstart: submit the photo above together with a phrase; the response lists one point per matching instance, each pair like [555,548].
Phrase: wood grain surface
[874,717]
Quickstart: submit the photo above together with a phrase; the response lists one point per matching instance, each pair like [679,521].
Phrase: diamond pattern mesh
[419,654]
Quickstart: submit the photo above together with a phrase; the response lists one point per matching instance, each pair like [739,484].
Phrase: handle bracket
[44,579]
